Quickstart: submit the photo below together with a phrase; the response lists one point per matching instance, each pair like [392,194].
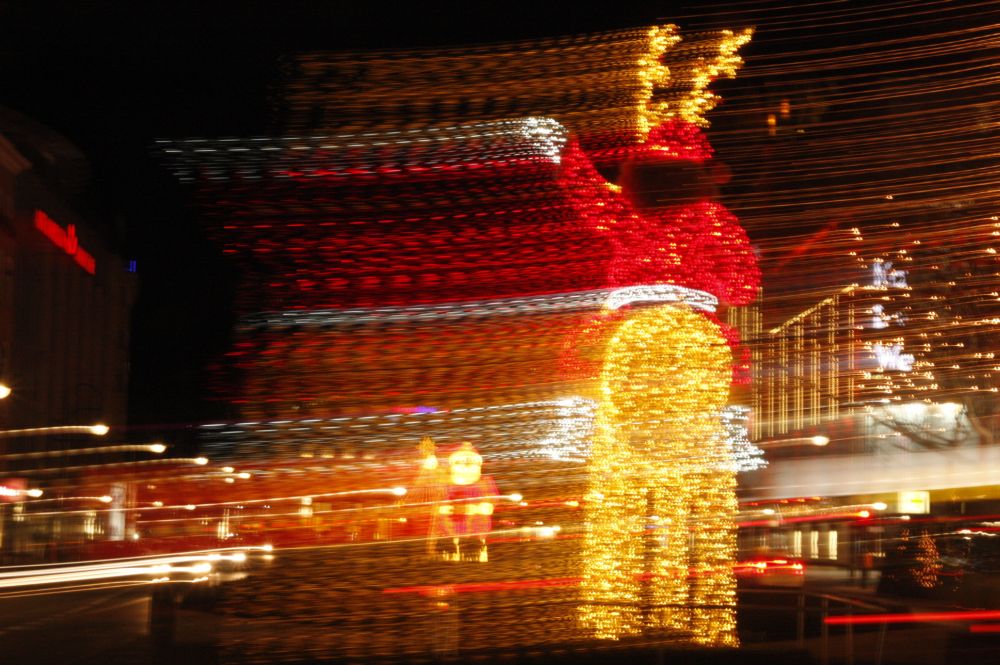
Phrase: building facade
[65,303]
[877,404]
[66,292]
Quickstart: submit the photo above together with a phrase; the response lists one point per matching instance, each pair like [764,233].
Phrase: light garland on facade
[743,455]
[892,339]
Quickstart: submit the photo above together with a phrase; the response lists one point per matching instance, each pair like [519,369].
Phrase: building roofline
[11,158]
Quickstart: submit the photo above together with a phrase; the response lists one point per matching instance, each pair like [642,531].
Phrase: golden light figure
[661,533]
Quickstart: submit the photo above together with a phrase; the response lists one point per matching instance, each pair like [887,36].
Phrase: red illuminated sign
[66,240]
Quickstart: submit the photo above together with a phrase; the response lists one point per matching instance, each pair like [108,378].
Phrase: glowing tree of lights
[928,571]
[666,377]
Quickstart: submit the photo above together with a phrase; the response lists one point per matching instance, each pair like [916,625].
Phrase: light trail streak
[916,617]
[199,461]
[101,573]
[132,447]
[85,573]
[96,430]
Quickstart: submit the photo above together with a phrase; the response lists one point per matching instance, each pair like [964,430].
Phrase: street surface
[82,627]
[293,611]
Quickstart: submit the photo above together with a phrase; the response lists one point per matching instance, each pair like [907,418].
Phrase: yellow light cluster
[652,71]
[661,536]
[694,64]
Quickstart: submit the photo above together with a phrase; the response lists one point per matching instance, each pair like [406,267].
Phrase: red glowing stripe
[783,502]
[804,518]
[66,240]
[920,617]
[565,232]
[84,259]
[985,628]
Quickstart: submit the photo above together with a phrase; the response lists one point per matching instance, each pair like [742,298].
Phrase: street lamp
[4,391]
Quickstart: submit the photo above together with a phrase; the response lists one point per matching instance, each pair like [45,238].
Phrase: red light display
[66,240]
[487,212]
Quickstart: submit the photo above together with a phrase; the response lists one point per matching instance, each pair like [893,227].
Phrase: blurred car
[770,569]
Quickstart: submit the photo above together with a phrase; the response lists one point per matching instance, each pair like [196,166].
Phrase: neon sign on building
[66,240]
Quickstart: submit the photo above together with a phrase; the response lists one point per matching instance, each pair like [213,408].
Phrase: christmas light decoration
[665,379]
[439,254]
[743,455]
[928,558]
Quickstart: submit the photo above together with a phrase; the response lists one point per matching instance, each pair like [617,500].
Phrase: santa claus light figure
[466,515]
